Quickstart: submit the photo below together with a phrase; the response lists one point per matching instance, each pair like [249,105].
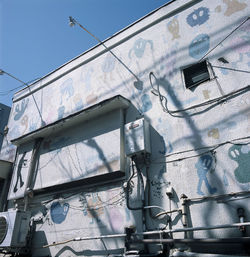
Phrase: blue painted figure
[139,47]
[146,103]
[59,212]
[199,46]
[198,17]
[242,157]
[22,162]
[20,109]
[109,63]
[203,166]
[67,89]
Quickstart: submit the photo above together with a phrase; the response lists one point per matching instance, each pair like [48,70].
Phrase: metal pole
[233,240]
[151,233]
[235,225]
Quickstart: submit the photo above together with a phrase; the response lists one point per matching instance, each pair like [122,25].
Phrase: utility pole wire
[24,83]
[73,22]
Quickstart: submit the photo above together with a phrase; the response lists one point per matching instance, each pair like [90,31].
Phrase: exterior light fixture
[1,72]
[72,22]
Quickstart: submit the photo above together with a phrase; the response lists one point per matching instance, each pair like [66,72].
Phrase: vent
[196,74]
[3,228]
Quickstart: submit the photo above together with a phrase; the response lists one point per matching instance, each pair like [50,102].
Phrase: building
[4,115]
[140,149]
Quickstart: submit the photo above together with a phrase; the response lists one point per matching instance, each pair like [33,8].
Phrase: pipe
[235,225]
[30,172]
[233,240]
[167,212]
[127,192]
[149,233]
[192,254]
[85,238]
[184,199]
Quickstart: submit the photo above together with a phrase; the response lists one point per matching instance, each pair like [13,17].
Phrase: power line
[3,93]
[28,86]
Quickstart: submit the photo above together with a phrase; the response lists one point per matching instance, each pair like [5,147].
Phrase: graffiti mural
[198,17]
[77,99]
[59,212]
[139,47]
[214,133]
[199,46]
[67,91]
[24,123]
[108,66]
[22,163]
[93,207]
[146,103]
[233,6]
[20,109]
[242,157]
[173,28]
[86,77]
[203,166]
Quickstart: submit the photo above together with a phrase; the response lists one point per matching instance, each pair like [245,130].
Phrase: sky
[35,36]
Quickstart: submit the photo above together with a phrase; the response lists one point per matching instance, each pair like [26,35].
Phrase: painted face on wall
[139,47]
[173,27]
[198,16]
[199,46]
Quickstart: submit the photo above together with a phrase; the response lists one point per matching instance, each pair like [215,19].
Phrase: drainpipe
[28,190]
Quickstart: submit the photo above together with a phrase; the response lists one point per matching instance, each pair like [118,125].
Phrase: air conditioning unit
[14,227]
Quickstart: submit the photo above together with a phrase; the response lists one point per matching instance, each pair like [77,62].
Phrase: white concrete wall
[176,35]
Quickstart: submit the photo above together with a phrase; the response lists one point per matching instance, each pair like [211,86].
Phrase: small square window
[196,74]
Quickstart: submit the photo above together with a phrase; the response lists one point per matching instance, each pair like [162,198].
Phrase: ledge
[108,105]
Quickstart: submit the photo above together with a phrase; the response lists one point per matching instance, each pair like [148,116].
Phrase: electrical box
[137,137]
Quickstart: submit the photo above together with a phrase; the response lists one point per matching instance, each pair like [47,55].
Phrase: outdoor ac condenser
[14,227]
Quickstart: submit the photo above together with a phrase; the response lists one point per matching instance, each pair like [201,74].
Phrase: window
[196,74]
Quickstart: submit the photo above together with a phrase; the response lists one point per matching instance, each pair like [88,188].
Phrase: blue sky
[36,38]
